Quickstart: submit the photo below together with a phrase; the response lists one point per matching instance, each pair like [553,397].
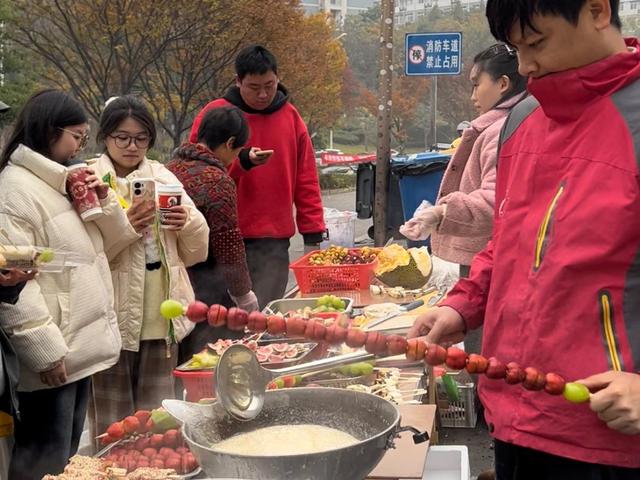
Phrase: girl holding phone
[151,269]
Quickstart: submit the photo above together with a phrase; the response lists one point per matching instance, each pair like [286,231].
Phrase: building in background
[338,9]
[629,8]
[409,11]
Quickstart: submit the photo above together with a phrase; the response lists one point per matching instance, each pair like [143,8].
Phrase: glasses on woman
[122,140]
[81,138]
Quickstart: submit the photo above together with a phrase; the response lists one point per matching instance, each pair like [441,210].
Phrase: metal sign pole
[384,123]
[435,112]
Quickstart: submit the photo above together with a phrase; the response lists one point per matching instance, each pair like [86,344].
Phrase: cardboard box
[407,460]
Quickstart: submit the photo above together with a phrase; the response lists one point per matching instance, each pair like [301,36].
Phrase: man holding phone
[266,195]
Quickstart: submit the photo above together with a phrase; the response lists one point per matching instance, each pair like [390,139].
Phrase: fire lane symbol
[416,54]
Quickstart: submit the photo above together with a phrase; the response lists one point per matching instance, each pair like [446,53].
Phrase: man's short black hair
[255,60]
[503,14]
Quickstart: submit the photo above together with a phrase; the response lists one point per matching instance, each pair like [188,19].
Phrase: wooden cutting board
[406,461]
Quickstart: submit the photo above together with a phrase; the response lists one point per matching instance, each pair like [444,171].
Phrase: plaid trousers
[139,381]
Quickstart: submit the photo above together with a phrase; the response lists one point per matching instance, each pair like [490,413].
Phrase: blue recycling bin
[419,177]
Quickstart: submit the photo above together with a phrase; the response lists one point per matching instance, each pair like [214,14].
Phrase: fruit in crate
[204,359]
[399,267]
[343,256]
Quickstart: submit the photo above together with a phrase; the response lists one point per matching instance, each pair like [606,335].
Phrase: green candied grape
[279,382]
[338,303]
[46,256]
[297,379]
[576,393]
[366,368]
[323,300]
[170,309]
[345,370]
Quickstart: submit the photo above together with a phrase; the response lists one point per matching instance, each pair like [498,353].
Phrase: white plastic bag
[421,225]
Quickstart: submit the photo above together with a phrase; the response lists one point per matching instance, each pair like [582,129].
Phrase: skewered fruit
[197,311]
[456,358]
[171,309]
[237,319]
[576,393]
[554,384]
[217,315]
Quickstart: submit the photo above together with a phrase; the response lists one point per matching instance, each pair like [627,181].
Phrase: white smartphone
[144,189]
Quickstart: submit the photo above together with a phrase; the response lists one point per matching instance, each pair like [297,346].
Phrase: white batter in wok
[286,440]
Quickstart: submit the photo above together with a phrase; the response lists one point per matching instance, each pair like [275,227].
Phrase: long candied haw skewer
[379,344]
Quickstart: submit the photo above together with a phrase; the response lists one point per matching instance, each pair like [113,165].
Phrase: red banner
[336,159]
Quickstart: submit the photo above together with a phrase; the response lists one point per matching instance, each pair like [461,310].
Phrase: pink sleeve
[471,214]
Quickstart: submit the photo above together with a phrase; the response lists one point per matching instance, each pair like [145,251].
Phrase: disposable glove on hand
[248,301]
[423,223]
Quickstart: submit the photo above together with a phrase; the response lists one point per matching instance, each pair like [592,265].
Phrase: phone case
[144,188]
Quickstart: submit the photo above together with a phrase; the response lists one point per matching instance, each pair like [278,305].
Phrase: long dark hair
[39,122]
[121,108]
[501,60]
[220,124]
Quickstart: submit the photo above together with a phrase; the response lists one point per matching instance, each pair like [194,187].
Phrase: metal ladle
[241,381]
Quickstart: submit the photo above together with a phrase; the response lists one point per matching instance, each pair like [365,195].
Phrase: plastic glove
[423,223]
[248,301]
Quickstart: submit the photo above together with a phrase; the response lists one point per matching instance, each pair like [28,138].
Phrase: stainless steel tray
[287,362]
[285,305]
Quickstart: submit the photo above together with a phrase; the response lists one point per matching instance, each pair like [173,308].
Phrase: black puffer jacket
[10,366]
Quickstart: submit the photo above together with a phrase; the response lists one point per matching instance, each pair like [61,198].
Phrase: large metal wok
[371,419]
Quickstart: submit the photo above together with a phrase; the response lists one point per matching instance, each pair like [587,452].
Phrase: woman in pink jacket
[460,223]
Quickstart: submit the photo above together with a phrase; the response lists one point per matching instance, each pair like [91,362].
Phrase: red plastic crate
[199,384]
[331,278]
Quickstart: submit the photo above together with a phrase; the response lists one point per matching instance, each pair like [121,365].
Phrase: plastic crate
[460,414]
[199,385]
[331,278]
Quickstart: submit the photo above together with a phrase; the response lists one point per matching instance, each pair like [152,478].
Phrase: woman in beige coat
[148,271]
[63,327]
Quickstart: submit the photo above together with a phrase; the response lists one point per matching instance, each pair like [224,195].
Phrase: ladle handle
[359,356]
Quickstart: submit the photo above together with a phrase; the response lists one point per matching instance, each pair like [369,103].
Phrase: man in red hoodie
[558,286]
[266,195]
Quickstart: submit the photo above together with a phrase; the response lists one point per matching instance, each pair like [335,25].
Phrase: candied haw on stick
[456,358]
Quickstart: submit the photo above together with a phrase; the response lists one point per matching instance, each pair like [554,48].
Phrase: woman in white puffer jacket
[63,327]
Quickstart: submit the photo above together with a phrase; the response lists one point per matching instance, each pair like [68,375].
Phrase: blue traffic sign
[433,53]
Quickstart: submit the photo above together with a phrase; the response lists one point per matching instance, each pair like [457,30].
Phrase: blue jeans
[49,429]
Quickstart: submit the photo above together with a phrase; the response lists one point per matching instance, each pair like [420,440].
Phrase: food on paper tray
[24,257]
[282,440]
[87,468]
[343,256]
[399,267]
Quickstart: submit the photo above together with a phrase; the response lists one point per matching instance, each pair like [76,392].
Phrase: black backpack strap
[518,114]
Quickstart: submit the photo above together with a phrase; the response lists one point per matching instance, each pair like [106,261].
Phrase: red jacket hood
[578,88]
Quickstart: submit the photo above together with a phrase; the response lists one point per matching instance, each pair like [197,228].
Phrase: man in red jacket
[558,286]
[266,195]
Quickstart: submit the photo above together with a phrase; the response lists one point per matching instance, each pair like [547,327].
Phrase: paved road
[477,439]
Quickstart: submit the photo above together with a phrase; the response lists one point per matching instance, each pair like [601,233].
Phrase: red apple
[496,369]
[335,334]
[436,354]
[376,343]
[295,326]
[197,311]
[456,358]
[416,349]
[514,374]
[276,324]
[256,320]
[217,315]
[356,338]
[477,363]
[237,319]
[396,345]
[554,384]
[534,379]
